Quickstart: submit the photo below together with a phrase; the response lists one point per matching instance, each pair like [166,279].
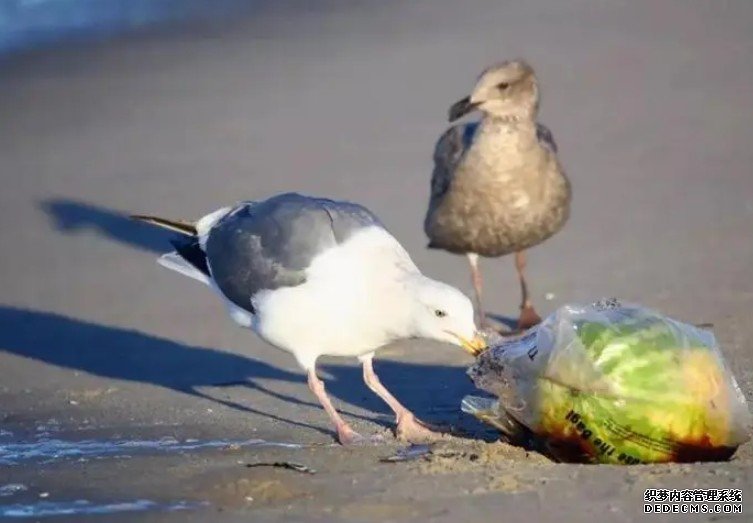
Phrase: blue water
[84,507]
[12,489]
[42,449]
[37,23]
[46,450]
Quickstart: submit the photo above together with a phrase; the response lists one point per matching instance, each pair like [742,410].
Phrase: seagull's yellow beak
[474,346]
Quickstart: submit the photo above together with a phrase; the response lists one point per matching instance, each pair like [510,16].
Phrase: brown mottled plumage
[497,186]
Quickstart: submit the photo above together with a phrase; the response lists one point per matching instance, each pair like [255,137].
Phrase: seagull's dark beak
[461,108]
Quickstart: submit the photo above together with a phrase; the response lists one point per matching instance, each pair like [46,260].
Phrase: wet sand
[650,106]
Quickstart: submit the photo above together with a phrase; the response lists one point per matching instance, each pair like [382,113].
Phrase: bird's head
[507,90]
[443,313]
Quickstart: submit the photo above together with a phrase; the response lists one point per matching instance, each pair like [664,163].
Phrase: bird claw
[528,318]
[411,430]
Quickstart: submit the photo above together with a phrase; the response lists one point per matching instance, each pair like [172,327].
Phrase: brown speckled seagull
[497,186]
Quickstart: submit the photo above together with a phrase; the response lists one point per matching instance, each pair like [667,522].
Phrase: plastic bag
[613,383]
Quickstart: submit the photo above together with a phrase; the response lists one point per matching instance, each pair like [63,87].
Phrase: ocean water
[83,507]
[28,24]
[44,450]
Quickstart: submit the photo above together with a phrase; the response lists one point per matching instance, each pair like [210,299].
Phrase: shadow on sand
[432,391]
[70,216]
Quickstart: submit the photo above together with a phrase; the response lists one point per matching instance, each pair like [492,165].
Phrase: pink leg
[408,427]
[528,317]
[345,434]
[477,282]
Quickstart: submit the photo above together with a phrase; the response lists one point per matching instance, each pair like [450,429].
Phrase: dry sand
[650,105]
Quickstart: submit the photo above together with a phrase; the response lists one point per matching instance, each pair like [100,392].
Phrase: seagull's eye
[439,313]
[503,86]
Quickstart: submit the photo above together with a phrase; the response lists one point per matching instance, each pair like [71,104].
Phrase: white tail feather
[174,262]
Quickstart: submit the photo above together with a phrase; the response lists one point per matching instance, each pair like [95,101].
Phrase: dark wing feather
[190,250]
[448,152]
[546,137]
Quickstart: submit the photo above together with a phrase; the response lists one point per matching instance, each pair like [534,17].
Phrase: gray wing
[270,244]
[448,152]
[545,137]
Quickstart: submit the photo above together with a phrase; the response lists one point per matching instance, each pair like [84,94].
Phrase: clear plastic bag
[613,383]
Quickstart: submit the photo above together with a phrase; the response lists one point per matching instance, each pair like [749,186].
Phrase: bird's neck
[410,286]
[510,123]
[509,133]
[393,307]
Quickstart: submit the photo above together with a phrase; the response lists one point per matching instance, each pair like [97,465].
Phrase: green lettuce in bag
[613,383]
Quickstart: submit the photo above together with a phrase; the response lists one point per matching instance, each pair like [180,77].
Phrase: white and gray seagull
[314,277]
